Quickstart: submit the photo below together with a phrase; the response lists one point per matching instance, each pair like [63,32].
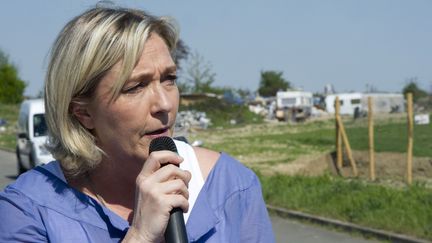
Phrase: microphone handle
[176,230]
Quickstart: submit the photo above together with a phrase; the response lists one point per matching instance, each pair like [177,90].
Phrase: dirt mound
[388,166]
[309,165]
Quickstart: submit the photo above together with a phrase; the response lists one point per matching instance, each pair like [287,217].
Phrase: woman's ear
[80,111]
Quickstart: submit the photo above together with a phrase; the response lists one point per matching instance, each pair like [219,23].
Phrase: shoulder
[23,216]
[231,175]
[38,187]
[207,159]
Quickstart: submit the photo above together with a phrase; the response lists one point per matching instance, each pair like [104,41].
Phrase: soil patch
[389,166]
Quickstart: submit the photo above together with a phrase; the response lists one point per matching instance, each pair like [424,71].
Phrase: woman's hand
[160,187]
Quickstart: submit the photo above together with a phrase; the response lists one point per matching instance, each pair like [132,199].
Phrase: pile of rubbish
[189,120]
[192,119]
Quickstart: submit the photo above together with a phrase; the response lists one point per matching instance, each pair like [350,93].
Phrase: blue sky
[349,44]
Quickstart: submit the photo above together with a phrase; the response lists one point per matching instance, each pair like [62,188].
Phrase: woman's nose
[161,99]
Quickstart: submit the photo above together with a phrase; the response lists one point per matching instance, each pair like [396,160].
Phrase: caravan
[350,102]
[293,105]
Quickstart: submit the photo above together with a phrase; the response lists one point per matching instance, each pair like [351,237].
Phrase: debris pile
[192,119]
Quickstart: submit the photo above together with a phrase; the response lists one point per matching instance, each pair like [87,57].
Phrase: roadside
[344,226]
[293,230]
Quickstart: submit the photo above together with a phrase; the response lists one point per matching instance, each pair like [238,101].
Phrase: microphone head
[162,143]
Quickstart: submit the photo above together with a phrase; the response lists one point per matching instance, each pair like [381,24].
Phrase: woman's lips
[158,133]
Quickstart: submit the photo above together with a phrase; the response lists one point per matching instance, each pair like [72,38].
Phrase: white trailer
[382,102]
[293,105]
[348,103]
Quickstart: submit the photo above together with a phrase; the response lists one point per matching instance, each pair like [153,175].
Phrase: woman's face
[146,108]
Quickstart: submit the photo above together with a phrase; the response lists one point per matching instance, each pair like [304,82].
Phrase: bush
[11,87]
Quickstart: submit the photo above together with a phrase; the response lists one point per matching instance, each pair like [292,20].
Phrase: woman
[110,90]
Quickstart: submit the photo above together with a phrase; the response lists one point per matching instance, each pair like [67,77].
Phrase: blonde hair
[84,51]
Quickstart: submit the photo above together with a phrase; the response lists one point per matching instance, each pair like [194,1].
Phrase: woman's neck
[112,187]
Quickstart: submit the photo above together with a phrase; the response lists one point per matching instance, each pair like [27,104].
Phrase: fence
[342,140]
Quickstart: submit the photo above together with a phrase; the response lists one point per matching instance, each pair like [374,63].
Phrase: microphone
[176,229]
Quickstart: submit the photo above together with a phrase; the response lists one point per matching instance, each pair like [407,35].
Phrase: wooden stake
[347,145]
[410,137]
[371,140]
[338,135]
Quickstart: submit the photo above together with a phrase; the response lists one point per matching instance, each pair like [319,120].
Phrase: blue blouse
[40,207]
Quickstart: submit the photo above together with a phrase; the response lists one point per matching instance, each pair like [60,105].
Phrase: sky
[350,44]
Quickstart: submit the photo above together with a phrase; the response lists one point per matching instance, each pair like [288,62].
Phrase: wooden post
[347,146]
[371,140]
[410,137]
[338,135]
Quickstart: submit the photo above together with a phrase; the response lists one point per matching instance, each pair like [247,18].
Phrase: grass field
[406,209]
[282,143]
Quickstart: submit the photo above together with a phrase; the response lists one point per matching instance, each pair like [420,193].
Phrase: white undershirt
[190,163]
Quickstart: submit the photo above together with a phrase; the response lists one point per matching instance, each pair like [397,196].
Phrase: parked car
[32,136]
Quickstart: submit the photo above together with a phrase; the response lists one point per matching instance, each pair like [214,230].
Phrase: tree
[198,77]
[11,86]
[271,82]
[412,87]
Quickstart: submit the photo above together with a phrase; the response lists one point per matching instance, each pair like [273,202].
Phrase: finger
[177,201]
[170,172]
[153,185]
[159,158]
[174,187]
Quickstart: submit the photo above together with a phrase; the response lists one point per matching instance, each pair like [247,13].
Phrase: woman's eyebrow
[148,74]
[140,76]
[171,68]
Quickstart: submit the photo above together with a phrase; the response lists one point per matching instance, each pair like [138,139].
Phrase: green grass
[387,138]
[402,210]
[9,112]
[393,138]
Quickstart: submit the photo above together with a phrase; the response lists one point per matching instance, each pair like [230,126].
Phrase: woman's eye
[134,88]
[172,79]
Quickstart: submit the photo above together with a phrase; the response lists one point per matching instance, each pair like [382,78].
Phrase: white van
[32,136]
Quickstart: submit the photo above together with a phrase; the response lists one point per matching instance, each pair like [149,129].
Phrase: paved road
[285,230]
[295,231]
